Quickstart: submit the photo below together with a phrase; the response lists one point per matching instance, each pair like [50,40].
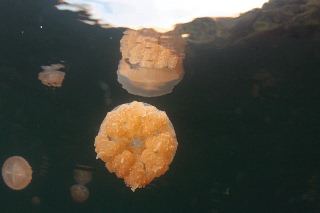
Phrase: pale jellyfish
[36,200]
[79,193]
[44,166]
[137,142]
[16,173]
[107,93]
[51,75]
[82,174]
[152,62]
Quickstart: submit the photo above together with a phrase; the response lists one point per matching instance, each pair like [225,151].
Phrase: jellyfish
[152,63]
[16,173]
[44,166]
[137,142]
[107,93]
[82,174]
[35,200]
[51,76]
[79,193]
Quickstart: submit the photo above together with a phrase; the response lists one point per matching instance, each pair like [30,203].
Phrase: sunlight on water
[161,15]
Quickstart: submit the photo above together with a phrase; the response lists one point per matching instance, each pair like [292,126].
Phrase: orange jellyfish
[79,193]
[137,142]
[51,76]
[152,62]
[16,173]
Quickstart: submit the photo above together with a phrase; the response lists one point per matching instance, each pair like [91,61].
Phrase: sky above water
[158,14]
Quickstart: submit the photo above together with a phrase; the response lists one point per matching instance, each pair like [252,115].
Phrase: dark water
[240,150]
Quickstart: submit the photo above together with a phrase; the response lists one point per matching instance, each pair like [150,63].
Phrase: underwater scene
[103,109]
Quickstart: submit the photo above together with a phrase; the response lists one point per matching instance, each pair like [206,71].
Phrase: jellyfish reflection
[137,142]
[82,174]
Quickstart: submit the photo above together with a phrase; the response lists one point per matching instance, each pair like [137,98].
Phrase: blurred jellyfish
[313,192]
[79,193]
[51,76]
[218,196]
[238,111]
[152,63]
[36,200]
[107,94]
[44,166]
[267,119]
[265,85]
[82,174]
[16,173]
[137,142]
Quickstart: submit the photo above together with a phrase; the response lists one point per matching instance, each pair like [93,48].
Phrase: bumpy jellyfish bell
[137,142]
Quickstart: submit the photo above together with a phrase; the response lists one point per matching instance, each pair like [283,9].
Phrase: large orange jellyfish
[137,142]
[152,62]
[51,75]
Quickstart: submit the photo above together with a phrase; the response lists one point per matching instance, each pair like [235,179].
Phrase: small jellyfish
[267,119]
[51,76]
[82,174]
[44,167]
[16,173]
[79,193]
[35,200]
[137,142]
[152,63]
[107,93]
[238,111]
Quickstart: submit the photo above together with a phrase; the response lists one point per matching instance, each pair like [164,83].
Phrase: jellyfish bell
[107,93]
[16,173]
[152,62]
[35,200]
[44,166]
[51,75]
[79,193]
[82,174]
[137,142]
